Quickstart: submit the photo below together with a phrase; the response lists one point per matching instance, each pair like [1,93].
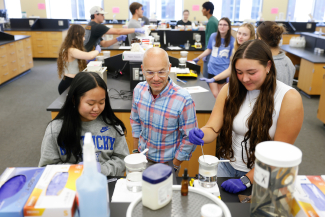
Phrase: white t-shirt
[240,123]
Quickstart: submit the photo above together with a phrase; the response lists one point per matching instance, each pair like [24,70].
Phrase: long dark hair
[70,134]
[228,35]
[74,39]
[260,120]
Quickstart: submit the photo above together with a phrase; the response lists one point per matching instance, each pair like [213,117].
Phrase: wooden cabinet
[310,77]
[15,58]
[286,38]
[190,56]
[43,44]
[321,106]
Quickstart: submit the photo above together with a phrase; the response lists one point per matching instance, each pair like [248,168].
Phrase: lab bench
[204,103]
[15,56]
[321,106]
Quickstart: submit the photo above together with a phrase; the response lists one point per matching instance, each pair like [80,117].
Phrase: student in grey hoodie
[86,109]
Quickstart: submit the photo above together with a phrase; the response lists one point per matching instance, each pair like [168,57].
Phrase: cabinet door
[175,54]
[3,50]
[4,72]
[321,106]
[306,74]
[21,64]
[13,68]
[3,54]
[27,46]
[20,48]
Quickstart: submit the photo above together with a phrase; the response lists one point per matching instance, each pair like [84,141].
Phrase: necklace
[250,102]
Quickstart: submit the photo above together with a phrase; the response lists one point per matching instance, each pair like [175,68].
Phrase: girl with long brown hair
[72,56]
[245,33]
[254,107]
[220,46]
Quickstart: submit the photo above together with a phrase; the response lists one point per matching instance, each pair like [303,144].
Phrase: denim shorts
[226,170]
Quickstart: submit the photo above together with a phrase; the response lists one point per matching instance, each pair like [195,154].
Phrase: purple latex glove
[98,166]
[139,30]
[195,136]
[233,186]
[204,58]
[12,186]
[57,184]
[208,80]
[91,60]
[121,38]
[196,60]
[98,48]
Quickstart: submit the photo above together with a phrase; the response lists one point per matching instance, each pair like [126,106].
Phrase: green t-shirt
[212,27]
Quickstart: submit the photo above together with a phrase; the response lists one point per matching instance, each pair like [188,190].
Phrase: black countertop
[307,54]
[116,47]
[17,38]
[204,102]
[236,208]
[36,30]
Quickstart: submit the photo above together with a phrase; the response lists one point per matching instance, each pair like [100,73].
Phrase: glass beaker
[276,168]
[135,164]
[208,166]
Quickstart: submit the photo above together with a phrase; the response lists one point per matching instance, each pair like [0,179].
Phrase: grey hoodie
[285,70]
[110,146]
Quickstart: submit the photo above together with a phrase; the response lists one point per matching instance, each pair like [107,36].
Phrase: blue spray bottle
[92,185]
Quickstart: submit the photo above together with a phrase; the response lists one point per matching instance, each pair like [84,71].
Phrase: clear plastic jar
[276,168]
[135,164]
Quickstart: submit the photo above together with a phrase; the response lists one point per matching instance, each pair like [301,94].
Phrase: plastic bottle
[92,185]
[184,188]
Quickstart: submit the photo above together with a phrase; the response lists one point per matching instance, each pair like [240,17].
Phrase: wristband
[135,151]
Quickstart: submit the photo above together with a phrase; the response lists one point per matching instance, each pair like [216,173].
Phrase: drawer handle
[22,32]
[14,61]
[174,52]
[55,45]
[21,58]
[28,47]
[22,65]
[12,53]
[39,39]
[11,44]
[40,45]
[2,47]
[3,56]
[4,65]
[14,69]
[6,73]
[20,49]
[38,32]
[40,52]
[30,62]
[29,54]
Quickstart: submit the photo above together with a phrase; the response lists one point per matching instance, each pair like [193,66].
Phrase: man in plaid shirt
[162,113]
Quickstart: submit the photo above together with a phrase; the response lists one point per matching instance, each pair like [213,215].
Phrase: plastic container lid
[208,160]
[278,154]
[134,160]
[156,173]
[211,210]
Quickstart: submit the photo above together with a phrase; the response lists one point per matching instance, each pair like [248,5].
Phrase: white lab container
[276,168]
[157,182]
[94,66]
[211,210]
[135,164]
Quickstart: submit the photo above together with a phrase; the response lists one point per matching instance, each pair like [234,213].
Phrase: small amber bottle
[184,188]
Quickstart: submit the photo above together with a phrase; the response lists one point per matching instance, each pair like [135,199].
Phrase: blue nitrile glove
[208,80]
[121,38]
[12,186]
[233,186]
[57,183]
[139,30]
[91,60]
[195,136]
[196,60]
[204,58]
[98,166]
[98,48]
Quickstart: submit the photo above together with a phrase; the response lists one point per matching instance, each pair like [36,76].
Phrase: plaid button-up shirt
[163,124]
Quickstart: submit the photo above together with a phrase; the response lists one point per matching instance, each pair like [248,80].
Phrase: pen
[184,82]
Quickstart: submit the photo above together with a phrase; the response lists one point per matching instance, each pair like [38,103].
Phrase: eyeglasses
[161,74]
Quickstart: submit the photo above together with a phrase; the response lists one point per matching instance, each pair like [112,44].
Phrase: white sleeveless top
[240,125]
[72,67]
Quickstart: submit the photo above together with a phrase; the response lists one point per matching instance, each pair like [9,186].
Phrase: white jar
[157,182]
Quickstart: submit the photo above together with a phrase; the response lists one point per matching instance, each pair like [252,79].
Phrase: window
[13,8]
[163,9]
[74,9]
[237,10]
[299,10]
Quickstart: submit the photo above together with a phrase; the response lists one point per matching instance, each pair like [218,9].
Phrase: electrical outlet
[308,26]
[60,22]
[31,22]
[135,73]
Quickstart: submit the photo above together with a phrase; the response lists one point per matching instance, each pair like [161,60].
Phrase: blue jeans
[226,170]
[205,67]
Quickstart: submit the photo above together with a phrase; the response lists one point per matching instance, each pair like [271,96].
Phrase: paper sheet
[122,194]
[124,47]
[174,48]
[196,89]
